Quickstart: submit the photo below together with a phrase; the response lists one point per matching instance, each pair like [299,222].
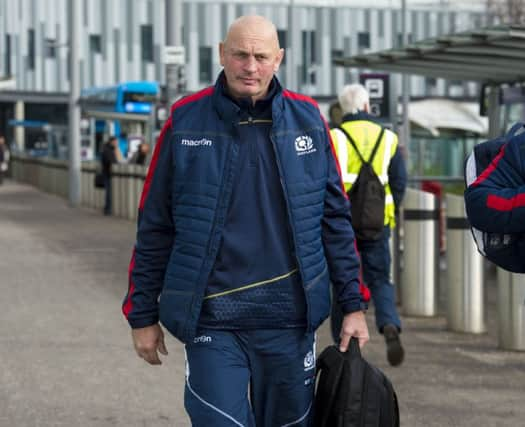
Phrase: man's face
[250,57]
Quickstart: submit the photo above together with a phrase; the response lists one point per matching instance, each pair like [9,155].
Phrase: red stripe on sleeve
[504,205]
[128,306]
[486,173]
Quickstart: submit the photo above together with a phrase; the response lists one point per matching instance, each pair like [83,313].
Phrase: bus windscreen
[139,97]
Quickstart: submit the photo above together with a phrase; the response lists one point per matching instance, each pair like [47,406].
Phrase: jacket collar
[229,109]
[360,115]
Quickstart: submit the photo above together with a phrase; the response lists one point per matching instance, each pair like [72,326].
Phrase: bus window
[140,97]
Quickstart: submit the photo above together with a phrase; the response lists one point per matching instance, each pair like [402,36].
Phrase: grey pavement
[66,356]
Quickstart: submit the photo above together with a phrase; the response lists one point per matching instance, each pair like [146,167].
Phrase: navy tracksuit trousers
[262,378]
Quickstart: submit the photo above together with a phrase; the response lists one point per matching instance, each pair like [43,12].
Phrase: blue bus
[127,98]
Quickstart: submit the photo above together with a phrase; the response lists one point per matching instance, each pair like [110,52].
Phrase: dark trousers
[375,262]
[108,200]
[253,377]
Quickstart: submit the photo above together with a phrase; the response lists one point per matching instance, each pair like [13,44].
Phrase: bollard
[139,184]
[84,188]
[114,190]
[419,277]
[134,202]
[465,291]
[121,179]
[395,259]
[130,199]
[511,310]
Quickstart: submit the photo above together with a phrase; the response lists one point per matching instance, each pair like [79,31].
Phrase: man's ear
[278,61]
[221,53]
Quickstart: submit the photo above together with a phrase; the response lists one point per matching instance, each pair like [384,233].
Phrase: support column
[20,134]
[74,108]
[173,38]
[494,112]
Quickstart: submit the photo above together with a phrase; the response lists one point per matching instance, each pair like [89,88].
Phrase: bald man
[243,223]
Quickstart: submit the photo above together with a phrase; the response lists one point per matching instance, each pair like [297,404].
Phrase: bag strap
[514,129]
[352,142]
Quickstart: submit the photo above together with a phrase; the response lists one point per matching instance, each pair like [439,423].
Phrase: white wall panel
[192,69]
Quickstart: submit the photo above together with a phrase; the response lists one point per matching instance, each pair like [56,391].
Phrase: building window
[31,49]
[282,34]
[309,47]
[205,64]
[95,43]
[309,57]
[146,42]
[337,53]
[431,81]
[7,61]
[400,39]
[381,23]
[363,40]
[50,46]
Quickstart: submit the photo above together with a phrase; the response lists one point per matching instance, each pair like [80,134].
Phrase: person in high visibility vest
[389,165]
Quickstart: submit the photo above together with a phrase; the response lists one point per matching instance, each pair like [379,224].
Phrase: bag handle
[353,352]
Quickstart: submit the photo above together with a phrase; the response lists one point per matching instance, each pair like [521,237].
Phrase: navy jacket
[187,193]
[495,201]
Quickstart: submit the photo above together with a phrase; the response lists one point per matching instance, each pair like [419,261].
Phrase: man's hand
[354,325]
[147,341]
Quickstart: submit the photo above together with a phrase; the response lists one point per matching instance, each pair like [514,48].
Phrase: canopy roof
[440,114]
[491,55]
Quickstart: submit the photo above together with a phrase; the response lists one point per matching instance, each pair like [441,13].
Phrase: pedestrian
[110,156]
[140,157]
[389,166]
[4,159]
[335,114]
[243,222]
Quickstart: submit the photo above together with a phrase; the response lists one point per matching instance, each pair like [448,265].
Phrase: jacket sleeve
[495,202]
[155,235]
[339,239]
[397,177]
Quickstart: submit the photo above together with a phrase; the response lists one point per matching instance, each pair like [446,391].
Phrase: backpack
[367,196]
[351,392]
[506,250]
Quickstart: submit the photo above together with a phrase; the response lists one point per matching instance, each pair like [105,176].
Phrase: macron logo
[197,142]
[304,145]
[202,339]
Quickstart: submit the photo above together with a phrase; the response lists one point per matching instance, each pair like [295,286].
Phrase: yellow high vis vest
[365,134]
